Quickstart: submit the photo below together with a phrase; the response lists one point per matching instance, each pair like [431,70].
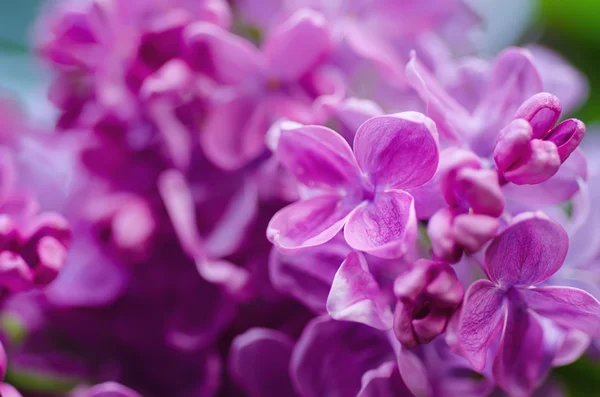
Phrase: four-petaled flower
[361,190]
[511,303]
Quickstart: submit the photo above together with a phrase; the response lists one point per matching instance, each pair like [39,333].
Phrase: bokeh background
[572,28]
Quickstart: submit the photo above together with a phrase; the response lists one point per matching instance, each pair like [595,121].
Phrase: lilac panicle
[357,188]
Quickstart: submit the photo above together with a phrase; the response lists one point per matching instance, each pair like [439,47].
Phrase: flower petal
[480,321]
[331,356]
[307,275]
[566,306]
[383,381]
[385,227]
[559,188]
[448,114]
[234,131]
[307,223]
[259,360]
[108,389]
[514,80]
[399,151]
[317,156]
[541,111]
[527,252]
[224,56]
[297,45]
[518,361]
[356,296]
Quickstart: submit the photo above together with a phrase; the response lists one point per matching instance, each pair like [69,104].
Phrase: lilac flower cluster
[294,198]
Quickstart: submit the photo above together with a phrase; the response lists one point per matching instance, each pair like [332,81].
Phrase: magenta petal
[234,131]
[385,226]
[567,136]
[527,252]
[414,373]
[480,321]
[518,361]
[514,80]
[542,111]
[331,356]
[318,157]
[180,207]
[107,389]
[226,57]
[297,45]
[308,223]
[383,381]
[259,360]
[356,296]
[307,275]
[398,151]
[447,113]
[512,144]
[559,188]
[566,306]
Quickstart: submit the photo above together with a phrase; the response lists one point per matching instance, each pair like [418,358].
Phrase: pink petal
[527,252]
[180,207]
[480,321]
[559,188]
[331,356]
[518,361]
[234,132]
[307,275]
[447,113]
[514,80]
[308,223]
[106,389]
[567,136]
[398,151]
[356,296]
[542,111]
[566,306]
[226,57]
[414,373]
[383,381]
[385,226]
[297,45]
[259,360]
[318,157]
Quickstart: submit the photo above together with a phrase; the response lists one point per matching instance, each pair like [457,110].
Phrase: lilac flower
[357,189]
[530,149]
[428,295]
[512,304]
[283,80]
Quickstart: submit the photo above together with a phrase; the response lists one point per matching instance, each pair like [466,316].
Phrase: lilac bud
[529,150]
[512,144]
[542,162]
[443,243]
[452,232]
[541,111]
[472,231]
[567,136]
[468,187]
[428,294]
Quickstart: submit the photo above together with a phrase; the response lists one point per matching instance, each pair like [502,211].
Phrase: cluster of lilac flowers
[283,198]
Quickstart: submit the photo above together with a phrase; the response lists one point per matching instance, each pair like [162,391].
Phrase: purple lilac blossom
[260,205]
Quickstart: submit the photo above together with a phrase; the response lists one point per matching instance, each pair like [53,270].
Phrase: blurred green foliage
[572,27]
